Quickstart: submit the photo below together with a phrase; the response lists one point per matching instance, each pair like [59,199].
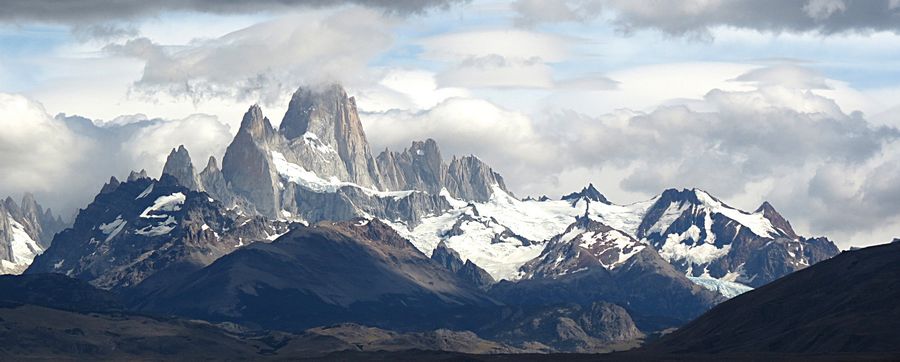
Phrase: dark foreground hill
[849,304]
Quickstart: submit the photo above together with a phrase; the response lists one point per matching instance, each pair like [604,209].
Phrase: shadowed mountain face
[848,304]
[359,271]
[146,229]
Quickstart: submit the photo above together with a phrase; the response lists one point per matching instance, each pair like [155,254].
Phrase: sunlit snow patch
[295,173]
[113,228]
[163,204]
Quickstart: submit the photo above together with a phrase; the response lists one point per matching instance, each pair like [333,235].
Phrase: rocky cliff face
[179,165]
[247,165]
[137,175]
[326,121]
[419,167]
[468,178]
[467,270]
[26,230]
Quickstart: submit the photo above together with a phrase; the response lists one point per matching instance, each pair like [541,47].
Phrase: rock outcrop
[135,175]
[247,166]
[779,222]
[26,230]
[594,328]
[419,167]
[179,165]
[588,193]
[467,270]
[326,121]
[468,178]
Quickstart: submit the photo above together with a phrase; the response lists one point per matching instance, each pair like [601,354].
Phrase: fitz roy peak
[320,153]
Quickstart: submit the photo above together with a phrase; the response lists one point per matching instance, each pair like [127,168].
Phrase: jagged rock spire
[776,219]
[419,167]
[256,125]
[588,193]
[134,175]
[211,165]
[179,166]
[469,178]
[110,186]
[247,166]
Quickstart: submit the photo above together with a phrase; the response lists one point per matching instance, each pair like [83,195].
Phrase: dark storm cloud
[90,11]
[694,17]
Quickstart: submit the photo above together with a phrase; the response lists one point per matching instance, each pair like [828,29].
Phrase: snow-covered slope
[705,238]
[25,231]
[504,233]
[717,246]
[22,249]
[584,244]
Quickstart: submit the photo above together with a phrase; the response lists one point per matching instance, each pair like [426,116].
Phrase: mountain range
[303,227]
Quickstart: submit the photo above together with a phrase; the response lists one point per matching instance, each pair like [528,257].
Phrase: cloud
[266,61]
[789,75]
[829,171]
[78,12]
[507,59]
[401,89]
[696,17]
[737,137]
[823,9]
[203,135]
[64,160]
[35,149]
[496,71]
[530,13]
